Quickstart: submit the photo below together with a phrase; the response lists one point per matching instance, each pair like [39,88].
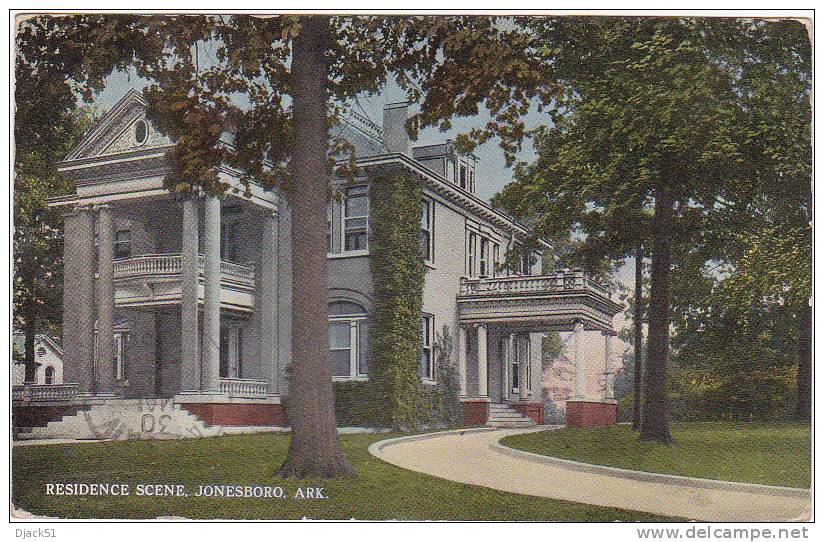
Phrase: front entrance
[510,367]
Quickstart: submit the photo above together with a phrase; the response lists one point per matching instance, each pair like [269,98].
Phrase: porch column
[189,332]
[462,358]
[523,370]
[609,392]
[580,373]
[268,296]
[210,357]
[78,298]
[105,303]
[483,361]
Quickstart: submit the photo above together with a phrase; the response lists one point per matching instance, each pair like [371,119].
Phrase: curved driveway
[475,457]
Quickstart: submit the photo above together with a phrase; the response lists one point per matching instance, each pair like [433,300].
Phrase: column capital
[480,325]
[100,207]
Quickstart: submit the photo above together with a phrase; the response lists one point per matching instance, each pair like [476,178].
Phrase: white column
[523,383]
[104,363]
[189,327]
[210,358]
[268,297]
[78,298]
[462,358]
[483,361]
[609,392]
[580,370]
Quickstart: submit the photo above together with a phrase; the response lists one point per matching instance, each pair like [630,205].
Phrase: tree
[37,241]
[666,113]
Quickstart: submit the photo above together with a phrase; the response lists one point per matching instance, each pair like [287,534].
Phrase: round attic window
[141,132]
[41,352]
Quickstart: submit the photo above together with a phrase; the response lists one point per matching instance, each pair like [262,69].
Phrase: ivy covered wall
[394,395]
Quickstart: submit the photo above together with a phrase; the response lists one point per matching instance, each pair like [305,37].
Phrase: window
[356,219]
[427,365]
[471,250]
[40,351]
[484,258]
[496,258]
[231,352]
[348,339]
[141,132]
[122,244]
[472,179]
[526,263]
[229,240]
[426,229]
[49,374]
[463,176]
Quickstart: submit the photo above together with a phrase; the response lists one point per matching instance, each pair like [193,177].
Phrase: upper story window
[122,244]
[427,364]
[482,255]
[483,260]
[471,253]
[462,176]
[526,263]
[356,219]
[348,339]
[49,374]
[427,223]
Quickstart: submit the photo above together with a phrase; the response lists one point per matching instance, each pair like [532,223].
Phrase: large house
[189,301]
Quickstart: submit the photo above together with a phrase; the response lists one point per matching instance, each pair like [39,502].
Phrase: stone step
[126,420]
[503,415]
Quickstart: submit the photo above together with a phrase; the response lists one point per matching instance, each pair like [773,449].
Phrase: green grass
[761,453]
[380,490]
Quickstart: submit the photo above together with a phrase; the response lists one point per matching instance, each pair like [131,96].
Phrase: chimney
[394,128]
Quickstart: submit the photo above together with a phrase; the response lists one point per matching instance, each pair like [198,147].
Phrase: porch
[502,322]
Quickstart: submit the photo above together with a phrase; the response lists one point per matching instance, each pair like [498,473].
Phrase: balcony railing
[172,264]
[558,282]
[44,392]
[244,387]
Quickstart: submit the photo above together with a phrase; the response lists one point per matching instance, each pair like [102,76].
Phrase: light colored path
[476,458]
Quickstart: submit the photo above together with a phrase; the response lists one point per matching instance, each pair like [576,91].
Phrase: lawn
[761,453]
[380,491]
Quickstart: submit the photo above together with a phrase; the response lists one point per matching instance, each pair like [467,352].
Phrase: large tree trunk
[803,406]
[638,324]
[315,449]
[654,423]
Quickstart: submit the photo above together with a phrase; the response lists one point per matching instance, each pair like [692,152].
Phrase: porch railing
[172,264]
[558,282]
[44,392]
[244,387]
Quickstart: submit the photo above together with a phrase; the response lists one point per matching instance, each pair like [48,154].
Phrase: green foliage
[380,491]
[398,277]
[760,453]
[38,242]
[445,409]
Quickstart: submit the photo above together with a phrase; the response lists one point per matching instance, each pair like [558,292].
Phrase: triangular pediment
[123,129]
